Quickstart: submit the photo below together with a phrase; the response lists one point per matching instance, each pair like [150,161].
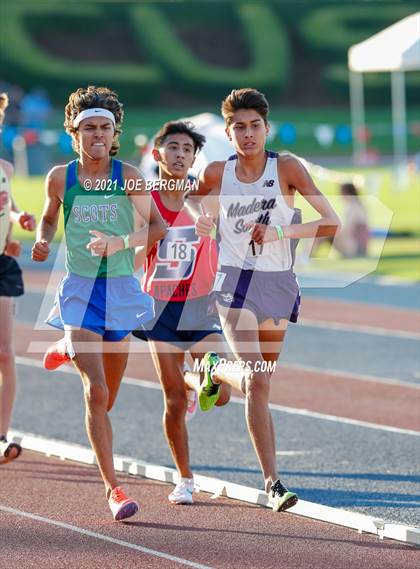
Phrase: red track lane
[371,401]
[361,314]
[334,311]
[221,534]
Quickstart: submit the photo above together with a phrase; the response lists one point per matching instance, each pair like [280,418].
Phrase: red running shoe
[55,356]
[121,506]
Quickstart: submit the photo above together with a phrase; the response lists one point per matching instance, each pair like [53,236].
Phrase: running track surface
[218,534]
[319,390]
[351,397]
[315,309]
[223,533]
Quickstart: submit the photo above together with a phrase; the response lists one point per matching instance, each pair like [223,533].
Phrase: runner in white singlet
[256,292]
[11,286]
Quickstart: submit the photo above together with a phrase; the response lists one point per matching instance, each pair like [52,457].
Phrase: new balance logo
[268,183]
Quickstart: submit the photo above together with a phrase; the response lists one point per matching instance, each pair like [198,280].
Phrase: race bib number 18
[178,251]
[176,254]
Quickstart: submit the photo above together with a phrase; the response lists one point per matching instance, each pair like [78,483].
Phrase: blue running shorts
[180,322]
[111,307]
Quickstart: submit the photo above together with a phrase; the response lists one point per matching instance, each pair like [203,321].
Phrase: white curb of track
[128,465]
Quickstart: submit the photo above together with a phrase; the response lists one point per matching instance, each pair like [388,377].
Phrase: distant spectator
[352,241]
[36,108]
[16,94]
[414,163]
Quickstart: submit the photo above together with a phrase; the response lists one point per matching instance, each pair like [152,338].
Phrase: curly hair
[4,102]
[94,97]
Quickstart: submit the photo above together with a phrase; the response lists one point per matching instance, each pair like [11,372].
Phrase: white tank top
[4,209]
[262,202]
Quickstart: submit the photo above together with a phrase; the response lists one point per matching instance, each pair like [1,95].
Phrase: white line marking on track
[349,375]
[273,406]
[308,322]
[217,488]
[69,369]
[390,280]
[102,537]
[282,365]
[335,418]
[375,331]
[296,452]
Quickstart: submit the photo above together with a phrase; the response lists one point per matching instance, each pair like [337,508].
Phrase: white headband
[97,112]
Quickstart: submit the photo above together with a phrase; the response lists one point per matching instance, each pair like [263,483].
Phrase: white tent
[396,50]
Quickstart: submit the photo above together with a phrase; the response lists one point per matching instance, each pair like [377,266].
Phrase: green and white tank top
[106,208]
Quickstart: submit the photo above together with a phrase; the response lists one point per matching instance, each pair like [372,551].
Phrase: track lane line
[217,488]
[273,406]
[103,537]
[350,375]
[335,324]
[359,329]
[353,376]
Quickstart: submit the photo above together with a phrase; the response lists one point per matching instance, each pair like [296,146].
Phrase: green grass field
[400,257]
[397,258]
[383,195]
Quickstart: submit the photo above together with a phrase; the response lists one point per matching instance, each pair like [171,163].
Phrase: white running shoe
[192,398]
[183,492]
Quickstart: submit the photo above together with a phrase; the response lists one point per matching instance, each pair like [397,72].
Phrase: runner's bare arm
[139,258]
[154,227]
[202,204]
[139,252]
[293,178]
[296,176]
[13,248]
[54,190]
[7,167]
[25,219]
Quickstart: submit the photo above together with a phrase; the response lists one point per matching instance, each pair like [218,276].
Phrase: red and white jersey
[182,266]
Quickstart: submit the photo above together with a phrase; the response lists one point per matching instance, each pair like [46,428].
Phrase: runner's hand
[104,245]
[204,225]
[27,221]
[40,251]
[13,248]
[262,233]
